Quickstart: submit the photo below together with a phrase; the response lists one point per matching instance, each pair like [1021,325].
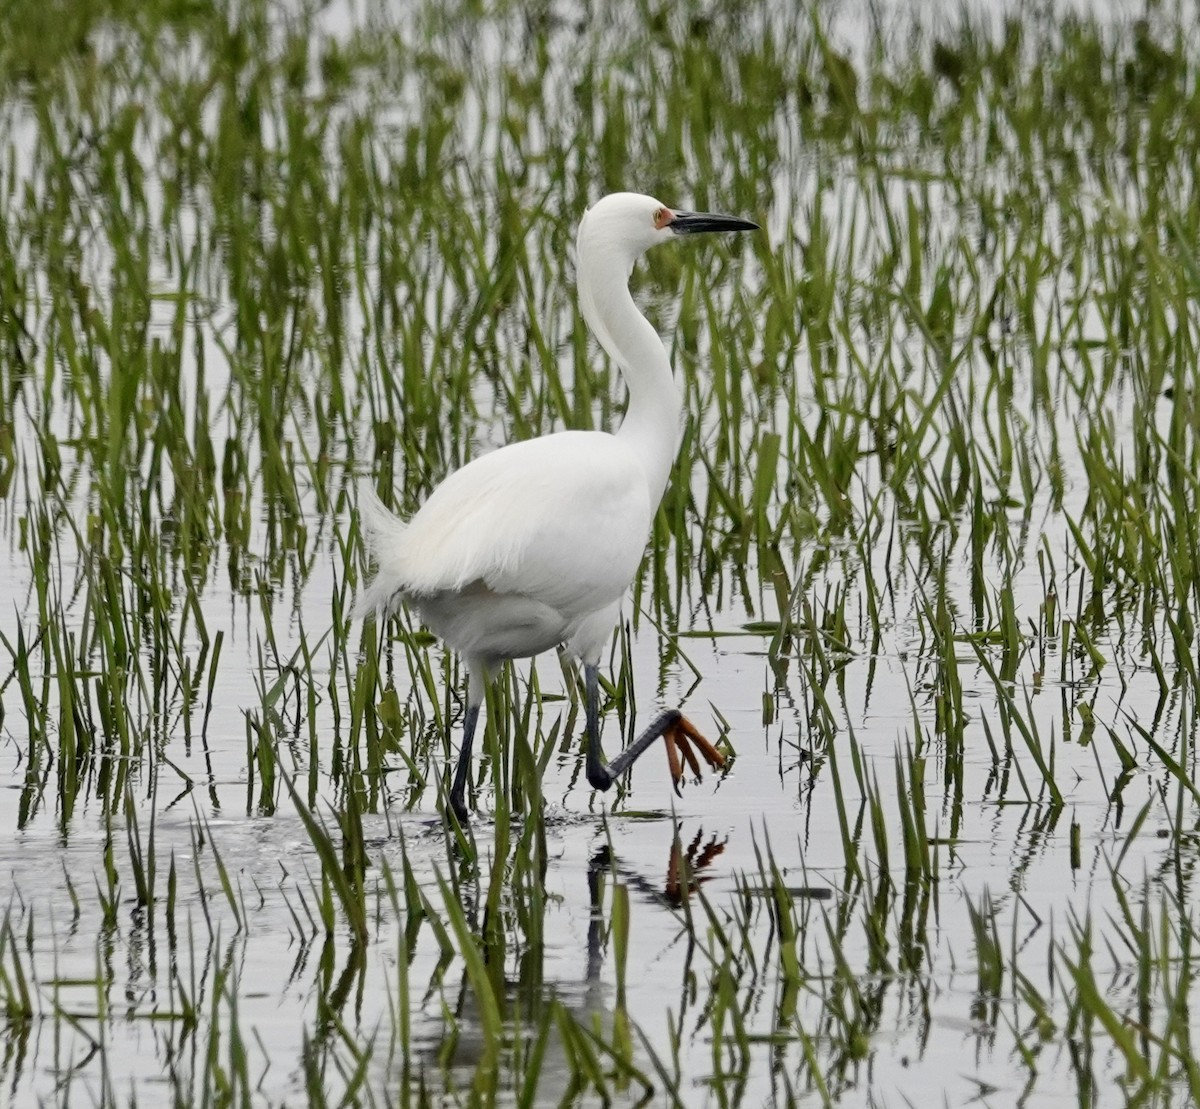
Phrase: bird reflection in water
[568,1018]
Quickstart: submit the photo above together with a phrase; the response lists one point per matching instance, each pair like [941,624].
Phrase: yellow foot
[679,739]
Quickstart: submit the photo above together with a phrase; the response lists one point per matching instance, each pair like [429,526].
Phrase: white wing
[562,519]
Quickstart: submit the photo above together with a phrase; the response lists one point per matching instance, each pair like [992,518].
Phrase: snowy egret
[534,545]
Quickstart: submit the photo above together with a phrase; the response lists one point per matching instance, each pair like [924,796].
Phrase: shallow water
[958,980]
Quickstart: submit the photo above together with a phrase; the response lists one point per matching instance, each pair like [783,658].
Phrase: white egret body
[535,544]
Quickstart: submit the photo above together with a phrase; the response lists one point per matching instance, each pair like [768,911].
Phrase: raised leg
[669,725]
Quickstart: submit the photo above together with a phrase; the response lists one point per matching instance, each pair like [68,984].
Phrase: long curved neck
[651,426]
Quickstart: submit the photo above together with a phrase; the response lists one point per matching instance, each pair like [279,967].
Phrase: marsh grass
[937,486]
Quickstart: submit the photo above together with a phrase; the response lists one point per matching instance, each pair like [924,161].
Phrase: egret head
[631,223]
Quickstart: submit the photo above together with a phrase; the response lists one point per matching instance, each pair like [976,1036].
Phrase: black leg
[462,771]
[600,774]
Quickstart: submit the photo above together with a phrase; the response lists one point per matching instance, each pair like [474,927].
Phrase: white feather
[562,520]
